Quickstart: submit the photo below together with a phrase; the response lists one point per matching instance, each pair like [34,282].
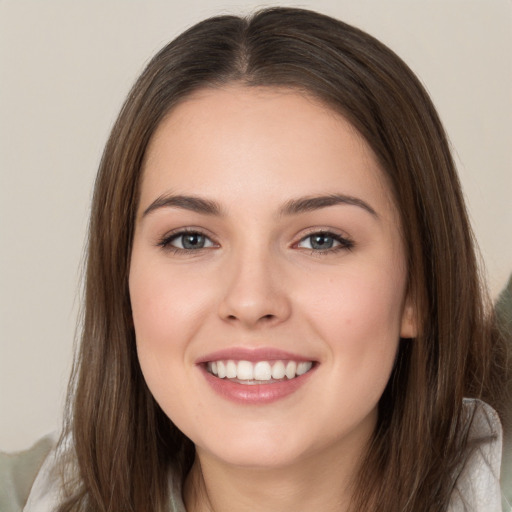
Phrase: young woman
[283,309]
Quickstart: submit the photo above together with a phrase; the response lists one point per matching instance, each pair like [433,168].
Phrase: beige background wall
[65,68]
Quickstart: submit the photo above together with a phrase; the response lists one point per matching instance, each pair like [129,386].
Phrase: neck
[319,482]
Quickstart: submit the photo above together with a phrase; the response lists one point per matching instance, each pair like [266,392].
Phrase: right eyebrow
[310,203]
[192,203]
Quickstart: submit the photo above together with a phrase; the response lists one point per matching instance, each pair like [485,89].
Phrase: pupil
[193,241]
[321,242]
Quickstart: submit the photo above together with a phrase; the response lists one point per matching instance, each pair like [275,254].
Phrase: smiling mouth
[259,372]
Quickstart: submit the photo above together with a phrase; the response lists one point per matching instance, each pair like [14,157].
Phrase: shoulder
[30,480]
[30,483]
[19,472]
[478,485]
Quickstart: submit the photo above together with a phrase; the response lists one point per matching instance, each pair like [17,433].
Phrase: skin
[258,283]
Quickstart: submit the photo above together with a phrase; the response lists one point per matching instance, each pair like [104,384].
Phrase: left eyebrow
[192,203]
[307,204]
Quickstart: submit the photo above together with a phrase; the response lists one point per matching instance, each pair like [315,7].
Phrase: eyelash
[344,243]
[165,242]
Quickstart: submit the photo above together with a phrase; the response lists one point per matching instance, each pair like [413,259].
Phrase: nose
[254,292]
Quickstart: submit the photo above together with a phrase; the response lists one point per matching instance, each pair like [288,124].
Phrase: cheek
[359,302]
[359,315]
[166,307]
[167,311]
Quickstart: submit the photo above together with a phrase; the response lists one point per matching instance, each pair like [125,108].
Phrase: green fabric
[18,472]
[504,315]
[504,309]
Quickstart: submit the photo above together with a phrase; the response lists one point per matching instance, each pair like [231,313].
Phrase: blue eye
[323,242]
[187,241]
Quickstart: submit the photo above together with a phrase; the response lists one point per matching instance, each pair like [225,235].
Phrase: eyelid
[165,241]
[207,242]
[344,241]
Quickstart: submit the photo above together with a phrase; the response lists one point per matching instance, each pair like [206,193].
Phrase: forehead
[262,140]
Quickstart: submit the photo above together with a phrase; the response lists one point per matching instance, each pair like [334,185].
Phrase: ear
[409,324]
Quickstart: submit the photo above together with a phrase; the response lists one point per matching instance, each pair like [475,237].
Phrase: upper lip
[252,354]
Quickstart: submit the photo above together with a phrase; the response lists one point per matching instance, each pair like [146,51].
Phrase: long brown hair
[123,444]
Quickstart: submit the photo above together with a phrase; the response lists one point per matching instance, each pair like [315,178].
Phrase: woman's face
[267,277]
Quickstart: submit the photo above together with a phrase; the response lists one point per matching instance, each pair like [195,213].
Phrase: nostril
[265,318]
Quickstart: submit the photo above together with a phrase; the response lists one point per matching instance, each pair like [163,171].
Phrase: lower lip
[255,394]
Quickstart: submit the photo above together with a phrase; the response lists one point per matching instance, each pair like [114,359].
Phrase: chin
[257,458]
[254,450]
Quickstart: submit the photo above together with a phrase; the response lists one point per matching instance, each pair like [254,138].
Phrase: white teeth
[221,369]
[245,370]
[302,368]
[231,370]
[291,368]
[260,371]
[278,370]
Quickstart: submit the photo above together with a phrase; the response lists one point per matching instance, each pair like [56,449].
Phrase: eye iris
[193,241]
[321,241]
